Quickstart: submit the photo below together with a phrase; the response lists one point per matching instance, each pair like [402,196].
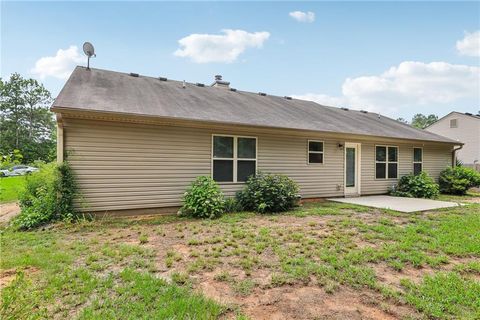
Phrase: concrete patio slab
[397,203]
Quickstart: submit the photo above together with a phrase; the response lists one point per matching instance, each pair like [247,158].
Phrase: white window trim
[386,162]
[416,162]
[235,156]
[322,152]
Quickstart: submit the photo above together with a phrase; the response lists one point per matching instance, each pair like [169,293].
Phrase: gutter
[454,151]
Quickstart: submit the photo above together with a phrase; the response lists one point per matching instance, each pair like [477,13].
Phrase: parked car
[21,170]
[4,173]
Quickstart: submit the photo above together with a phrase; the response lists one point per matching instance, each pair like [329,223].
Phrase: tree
[402,120]
[26,124]
[421,121]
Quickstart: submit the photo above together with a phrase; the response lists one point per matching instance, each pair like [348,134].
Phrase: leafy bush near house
[268,193]
[458,179]
[232,205]
[48,196]
[203,199]
[416,186]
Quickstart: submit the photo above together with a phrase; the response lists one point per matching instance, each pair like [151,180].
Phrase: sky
[395,58]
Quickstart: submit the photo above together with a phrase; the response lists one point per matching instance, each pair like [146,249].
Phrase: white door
[352,169]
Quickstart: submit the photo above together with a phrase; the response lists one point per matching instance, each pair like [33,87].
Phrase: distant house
[463,127]
[137,142]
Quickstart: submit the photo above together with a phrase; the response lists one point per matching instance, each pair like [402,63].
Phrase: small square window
[453,123]
[315,152]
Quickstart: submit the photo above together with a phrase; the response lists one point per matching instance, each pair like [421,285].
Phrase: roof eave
[100,115]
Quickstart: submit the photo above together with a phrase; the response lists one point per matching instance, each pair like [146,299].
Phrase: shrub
[458,180]
[416,186]
[268,193]
[232,205]
[203,199]
[48,196]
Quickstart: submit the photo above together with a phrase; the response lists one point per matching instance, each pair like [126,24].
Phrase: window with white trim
[417,160]
[234,158]
[386,162]
[315,151]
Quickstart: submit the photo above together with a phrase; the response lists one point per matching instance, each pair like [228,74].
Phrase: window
[417,160]
[386,162]
[315,151]
[453,123]
[234,158]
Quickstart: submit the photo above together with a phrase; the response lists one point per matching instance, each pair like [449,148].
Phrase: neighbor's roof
[98,90]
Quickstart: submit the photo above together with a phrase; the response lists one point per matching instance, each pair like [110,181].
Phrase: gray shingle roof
[109,91]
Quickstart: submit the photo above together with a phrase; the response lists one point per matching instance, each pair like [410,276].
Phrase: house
[463,127]
[137,142]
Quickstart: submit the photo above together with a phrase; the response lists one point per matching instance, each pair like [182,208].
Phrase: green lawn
[10,187]
[313,262]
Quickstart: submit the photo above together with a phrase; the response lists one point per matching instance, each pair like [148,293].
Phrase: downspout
[59,139]
[454,151]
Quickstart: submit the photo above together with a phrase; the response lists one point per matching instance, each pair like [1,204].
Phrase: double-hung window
[417,160]
[386,162]
[315,151]
[234,158]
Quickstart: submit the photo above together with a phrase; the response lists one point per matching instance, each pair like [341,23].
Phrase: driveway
[397,203]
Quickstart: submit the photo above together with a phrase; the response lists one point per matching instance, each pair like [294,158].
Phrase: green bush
[48,196]
[232,205]
[268,193]
[458,180]
[416,186]
[203,199]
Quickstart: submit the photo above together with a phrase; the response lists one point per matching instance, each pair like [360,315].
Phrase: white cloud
[469,45]
[59,66]
[301,16]
[226,47]
[409,84]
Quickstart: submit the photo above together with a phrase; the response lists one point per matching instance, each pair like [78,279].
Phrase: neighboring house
[463,127]
[137,142]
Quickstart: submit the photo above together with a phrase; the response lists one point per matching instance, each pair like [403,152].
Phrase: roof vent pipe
[184,84]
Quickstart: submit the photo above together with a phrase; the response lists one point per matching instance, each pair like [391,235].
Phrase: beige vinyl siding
[466,131]
[134,166]
[435,159]
[128,166]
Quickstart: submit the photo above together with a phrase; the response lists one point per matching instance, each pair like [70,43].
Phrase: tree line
[27,127]
[420,121]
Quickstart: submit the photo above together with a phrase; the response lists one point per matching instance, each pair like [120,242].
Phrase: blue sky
[393,58]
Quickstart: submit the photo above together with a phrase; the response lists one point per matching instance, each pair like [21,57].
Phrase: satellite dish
[89,51]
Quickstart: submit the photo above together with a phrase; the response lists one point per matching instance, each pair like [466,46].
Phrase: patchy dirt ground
[238,263]
[7,276]
[8,211]
[323,261]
